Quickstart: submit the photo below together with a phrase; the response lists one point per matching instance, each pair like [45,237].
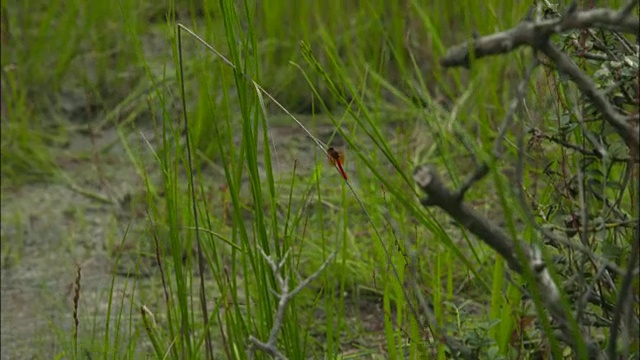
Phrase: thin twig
[498,146]
[594,152]
[618,121]
[624,293]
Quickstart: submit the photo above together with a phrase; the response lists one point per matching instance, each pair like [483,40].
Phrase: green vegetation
[237,205]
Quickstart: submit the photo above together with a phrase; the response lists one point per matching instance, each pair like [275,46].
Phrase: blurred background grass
[64,63]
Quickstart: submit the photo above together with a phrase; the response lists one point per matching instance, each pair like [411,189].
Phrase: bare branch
[529,33]
[521,257]
[439,195]
[285,296]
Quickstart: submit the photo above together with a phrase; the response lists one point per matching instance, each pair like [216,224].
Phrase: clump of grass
[378,159]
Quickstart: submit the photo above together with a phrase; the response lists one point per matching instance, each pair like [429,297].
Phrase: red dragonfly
[336,158]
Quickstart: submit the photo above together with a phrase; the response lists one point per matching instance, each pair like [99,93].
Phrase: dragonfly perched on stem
[336,158]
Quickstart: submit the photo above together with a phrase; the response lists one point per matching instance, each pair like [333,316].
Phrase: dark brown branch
[438,194]
[528,33]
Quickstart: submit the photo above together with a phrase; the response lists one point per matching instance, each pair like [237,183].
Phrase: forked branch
[285,296]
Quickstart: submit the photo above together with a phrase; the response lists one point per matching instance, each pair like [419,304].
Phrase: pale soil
[48,228]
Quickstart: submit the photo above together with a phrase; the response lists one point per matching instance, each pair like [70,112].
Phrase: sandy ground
[48,228]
